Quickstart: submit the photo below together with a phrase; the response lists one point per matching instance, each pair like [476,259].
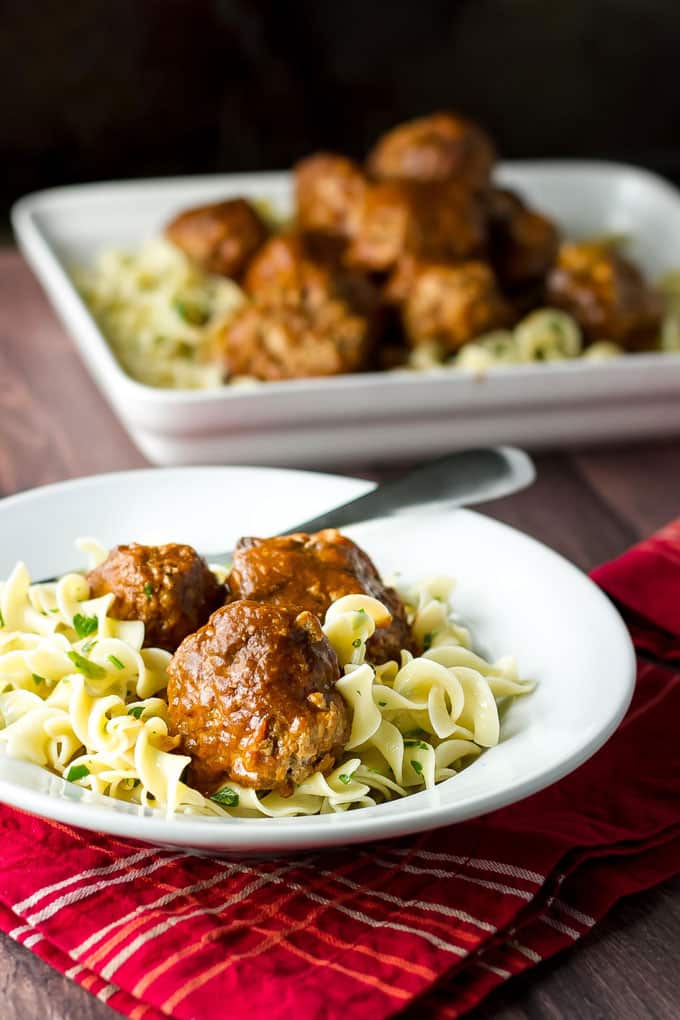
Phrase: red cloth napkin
[429,924]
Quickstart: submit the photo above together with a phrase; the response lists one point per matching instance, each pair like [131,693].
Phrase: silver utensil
[468,476]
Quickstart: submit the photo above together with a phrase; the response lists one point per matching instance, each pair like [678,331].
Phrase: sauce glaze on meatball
[606,294]
[170,588]
[305,318]
[523,243]
[220,238]
[441,147]
[450,305]
[312,571]
[252,697]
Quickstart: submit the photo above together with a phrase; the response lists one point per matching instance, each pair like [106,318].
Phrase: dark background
[129,88]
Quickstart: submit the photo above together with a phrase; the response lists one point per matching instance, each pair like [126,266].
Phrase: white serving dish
[375,416]
[566,635]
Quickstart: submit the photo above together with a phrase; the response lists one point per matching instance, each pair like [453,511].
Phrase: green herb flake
[55,610]
[2,619]
[382,704]
[193,314]
[88,646]
[37,679]
[226,797]
[417,743]
[148,590]
[345,778]
[116,662]
[136,711]
[427,641]
[417,767]
[356,643]
[89,669]
[77,772]
[84,625]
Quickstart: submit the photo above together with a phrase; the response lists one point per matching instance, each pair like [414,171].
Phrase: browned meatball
[168,587]
[285,269]
[312,571]
[440,147]
[305,319]
[271,341]
[438,221]
[450,305]
[606,294]
[328,191]
[252,696]
[220,238]
[522,243]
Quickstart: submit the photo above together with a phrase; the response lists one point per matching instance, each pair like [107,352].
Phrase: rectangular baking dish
[372,416]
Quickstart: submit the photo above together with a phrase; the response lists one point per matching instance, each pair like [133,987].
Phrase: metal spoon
[468,476]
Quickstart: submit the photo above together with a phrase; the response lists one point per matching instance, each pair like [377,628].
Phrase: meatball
[312,571]
[252,697]
[328,191]
[522,243]
[438,221]
[290,340]
[440,147]
[305,319]
[606,294]
[170,588]
[220,238]
[285,269]
[450,305]
[282,268]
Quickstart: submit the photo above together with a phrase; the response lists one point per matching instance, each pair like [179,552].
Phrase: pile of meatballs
[251,683]
[415,247]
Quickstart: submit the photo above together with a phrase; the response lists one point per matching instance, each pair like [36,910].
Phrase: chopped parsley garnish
[382,703]
[37,679]
[362,610]
[136,710]
[417,743]
[89,669]
[417,767]
[427,641]
[84,625]
[148,590]
[191,313]
[2,619]
[55,610]
[356,643]
[116,662]
[88,646]
[345,778]
[226,797]
[77,772]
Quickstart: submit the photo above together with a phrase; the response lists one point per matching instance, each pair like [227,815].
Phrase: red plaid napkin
[442,918]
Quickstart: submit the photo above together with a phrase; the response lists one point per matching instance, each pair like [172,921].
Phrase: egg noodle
[159,313]
[80,696]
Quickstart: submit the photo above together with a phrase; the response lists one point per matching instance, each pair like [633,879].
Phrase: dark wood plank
[32,990]
[640,483]
[589,506]
[621,969]
[54,423]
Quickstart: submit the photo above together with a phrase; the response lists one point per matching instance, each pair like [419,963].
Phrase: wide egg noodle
[81,696]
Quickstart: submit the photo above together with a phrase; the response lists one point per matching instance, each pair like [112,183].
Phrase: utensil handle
[468,476]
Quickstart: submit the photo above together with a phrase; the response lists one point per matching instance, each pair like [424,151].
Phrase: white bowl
[517,595]
[376,415]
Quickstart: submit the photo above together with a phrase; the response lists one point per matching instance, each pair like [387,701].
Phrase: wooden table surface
[589,505]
